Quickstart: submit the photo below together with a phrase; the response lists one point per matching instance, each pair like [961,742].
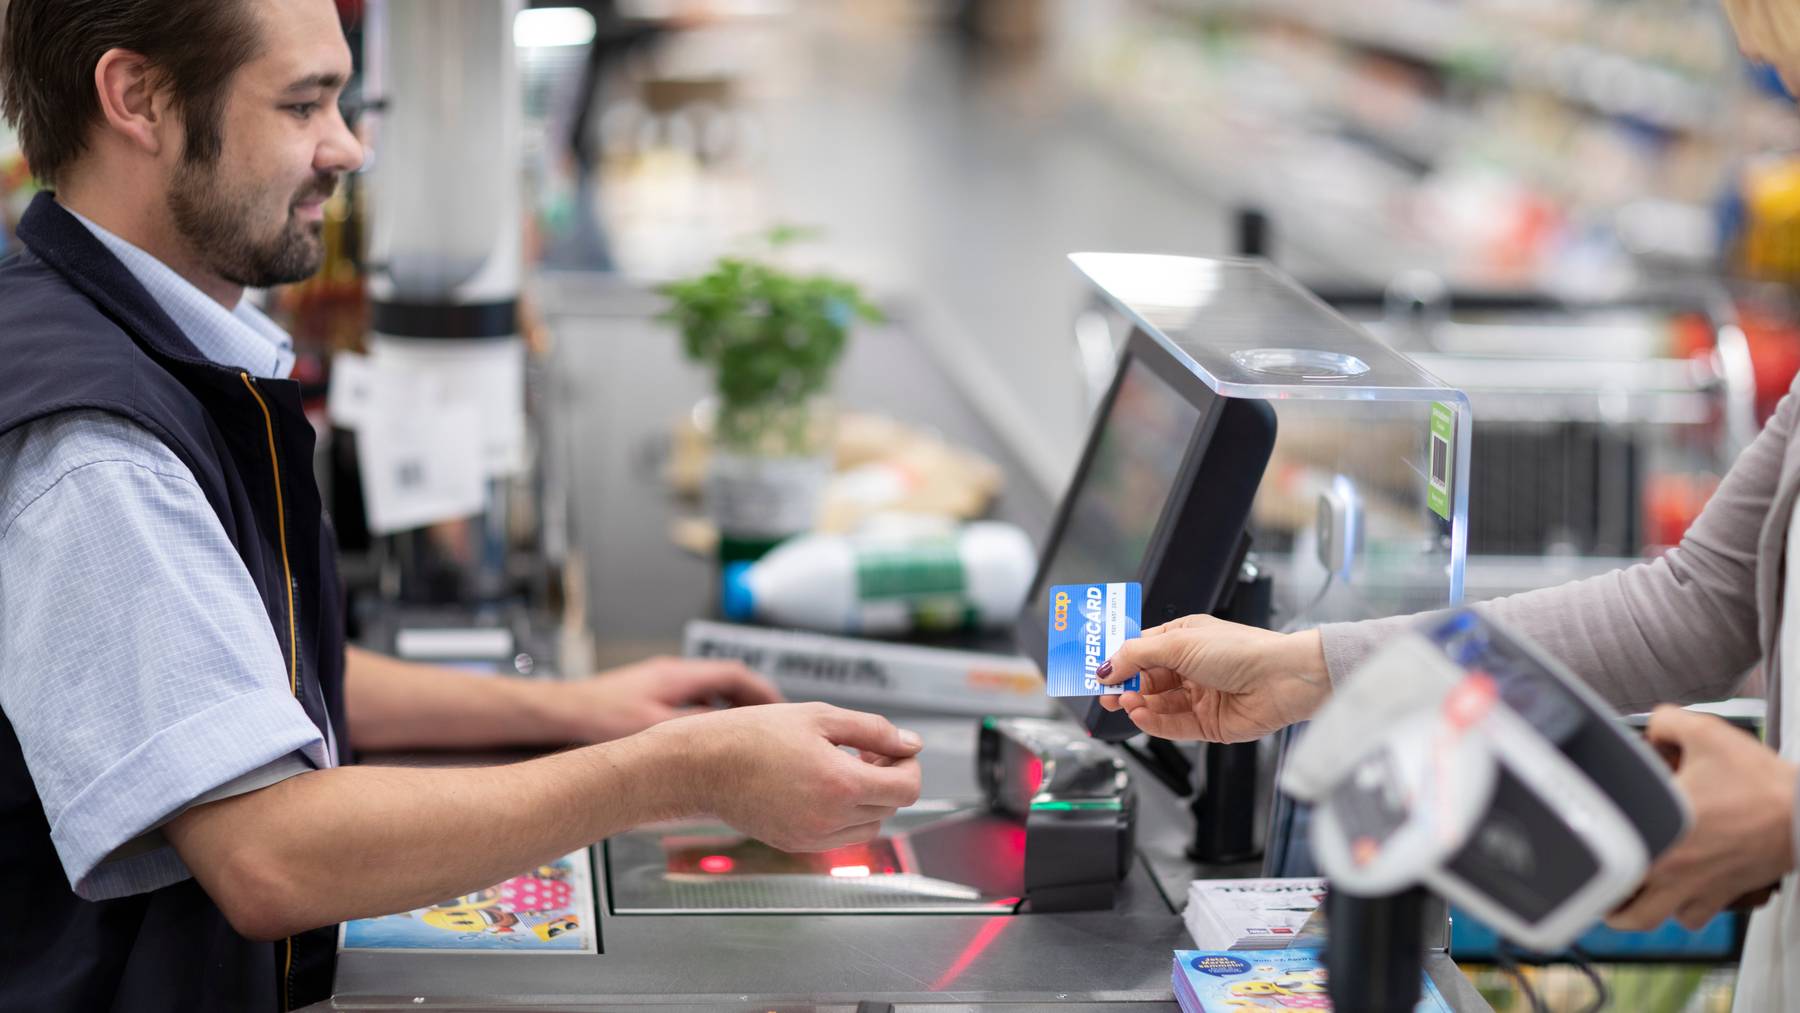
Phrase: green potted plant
[772,339]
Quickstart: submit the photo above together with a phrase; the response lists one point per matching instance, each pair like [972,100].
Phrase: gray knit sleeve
[1678,629]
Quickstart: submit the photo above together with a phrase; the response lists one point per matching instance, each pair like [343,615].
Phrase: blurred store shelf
[1514,144]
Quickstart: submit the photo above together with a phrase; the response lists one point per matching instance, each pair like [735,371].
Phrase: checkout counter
[812,942]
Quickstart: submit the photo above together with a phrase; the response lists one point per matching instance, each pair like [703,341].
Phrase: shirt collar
[242,337]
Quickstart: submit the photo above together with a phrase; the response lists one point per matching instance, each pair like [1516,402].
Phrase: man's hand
[1742,796]
[777,773]
[331,845]
[627,700]
[1205,678]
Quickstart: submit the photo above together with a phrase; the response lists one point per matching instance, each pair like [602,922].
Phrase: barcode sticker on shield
[1437,489]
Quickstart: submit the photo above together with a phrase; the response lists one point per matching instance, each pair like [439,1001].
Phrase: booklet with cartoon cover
[549,909]
[1213,982]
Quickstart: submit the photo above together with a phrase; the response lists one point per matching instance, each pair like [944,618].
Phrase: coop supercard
[1088,623]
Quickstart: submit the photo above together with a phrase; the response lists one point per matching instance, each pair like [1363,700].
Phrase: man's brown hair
[49,49]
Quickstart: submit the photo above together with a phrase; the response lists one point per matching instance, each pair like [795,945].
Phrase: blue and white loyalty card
[1088,623]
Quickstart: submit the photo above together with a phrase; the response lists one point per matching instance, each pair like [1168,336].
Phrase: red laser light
[983,938]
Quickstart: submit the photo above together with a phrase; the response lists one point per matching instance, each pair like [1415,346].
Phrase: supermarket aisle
[969,185]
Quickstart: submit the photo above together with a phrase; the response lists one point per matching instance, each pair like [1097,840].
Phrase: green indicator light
[1081,806]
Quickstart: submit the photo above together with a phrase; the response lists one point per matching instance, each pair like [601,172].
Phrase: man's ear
[131,104]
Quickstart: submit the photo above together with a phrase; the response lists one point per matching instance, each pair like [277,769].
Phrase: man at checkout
[176,821]
[1682,629]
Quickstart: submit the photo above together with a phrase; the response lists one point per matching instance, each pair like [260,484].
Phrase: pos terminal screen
[1120,500]
[1162,495]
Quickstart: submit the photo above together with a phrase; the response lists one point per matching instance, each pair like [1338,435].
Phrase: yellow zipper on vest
[287,574]
[281,528]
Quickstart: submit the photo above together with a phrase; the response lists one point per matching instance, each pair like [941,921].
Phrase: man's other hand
[623,701]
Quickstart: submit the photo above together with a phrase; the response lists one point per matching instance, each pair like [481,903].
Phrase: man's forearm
[395,704]
[359,841]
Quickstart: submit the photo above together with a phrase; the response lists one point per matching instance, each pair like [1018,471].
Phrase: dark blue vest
[78,332]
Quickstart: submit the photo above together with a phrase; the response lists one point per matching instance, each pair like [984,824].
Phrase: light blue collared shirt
[242,336]
[137,666]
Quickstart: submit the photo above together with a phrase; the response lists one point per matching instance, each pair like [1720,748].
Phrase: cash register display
[1135,462]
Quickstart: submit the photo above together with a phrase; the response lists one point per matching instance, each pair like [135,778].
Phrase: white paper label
[487,374]
[765,497]
[413,448]
[352,389]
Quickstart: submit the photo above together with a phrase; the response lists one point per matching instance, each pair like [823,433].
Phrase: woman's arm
[1679,629]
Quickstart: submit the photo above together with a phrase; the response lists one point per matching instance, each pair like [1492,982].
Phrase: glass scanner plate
[932,859]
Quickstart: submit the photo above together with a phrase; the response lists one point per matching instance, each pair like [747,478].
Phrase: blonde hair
[1769,31]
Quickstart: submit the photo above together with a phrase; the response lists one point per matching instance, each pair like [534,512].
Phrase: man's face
[255,215]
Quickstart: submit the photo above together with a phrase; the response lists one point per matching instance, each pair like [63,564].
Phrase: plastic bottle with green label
[887,584]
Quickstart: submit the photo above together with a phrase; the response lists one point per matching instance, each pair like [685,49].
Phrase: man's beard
[215,219]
